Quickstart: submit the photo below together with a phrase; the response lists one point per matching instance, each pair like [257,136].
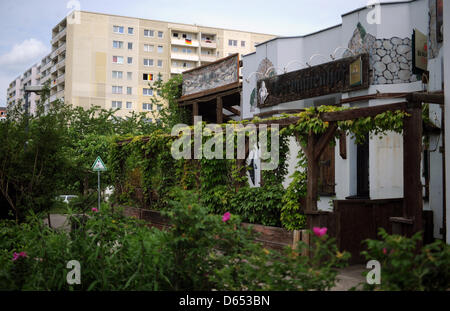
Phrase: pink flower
[18,255]
[226,217]
[94,209]
[15,256]
[384,251]
[320,231]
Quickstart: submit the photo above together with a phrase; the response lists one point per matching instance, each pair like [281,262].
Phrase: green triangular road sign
[98,165]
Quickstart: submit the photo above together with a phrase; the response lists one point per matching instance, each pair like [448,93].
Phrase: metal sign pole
[98,190]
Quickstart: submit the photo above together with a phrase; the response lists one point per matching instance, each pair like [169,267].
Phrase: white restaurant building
[372,171]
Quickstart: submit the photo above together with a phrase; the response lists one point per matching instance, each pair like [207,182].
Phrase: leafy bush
[200,251]
[404,266]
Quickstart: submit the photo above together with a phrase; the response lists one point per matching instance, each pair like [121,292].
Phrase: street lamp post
[27,90]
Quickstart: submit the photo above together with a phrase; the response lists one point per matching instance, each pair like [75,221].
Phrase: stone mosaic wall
[390,59]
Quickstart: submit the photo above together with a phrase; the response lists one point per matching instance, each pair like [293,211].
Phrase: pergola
[411,220]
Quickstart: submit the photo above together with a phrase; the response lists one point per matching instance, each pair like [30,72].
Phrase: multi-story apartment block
[15,89]
[109,61]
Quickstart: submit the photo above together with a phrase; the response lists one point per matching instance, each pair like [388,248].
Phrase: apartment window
[147,77]
[129,75]
[148,62]
[148,47]
[129,105]
[232,42]
[148,107]
[117,44]
[118,29]
[129,90]
[130,30]
[160,48]
[243,44]
[130,60]
[175,34]
[160,63]
[159,107]
[150,120]
[160,34]
[116,104]
[116,89]
[184,50]
[175,50]
[118,59]
[130,45]
[147,92]
[117,74]
[149,33]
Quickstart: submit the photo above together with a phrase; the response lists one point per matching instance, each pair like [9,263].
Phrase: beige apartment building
[109,61]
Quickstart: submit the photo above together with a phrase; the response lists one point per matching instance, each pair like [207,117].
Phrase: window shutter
[327,172]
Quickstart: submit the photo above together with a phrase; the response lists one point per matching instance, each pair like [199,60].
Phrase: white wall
[447,106]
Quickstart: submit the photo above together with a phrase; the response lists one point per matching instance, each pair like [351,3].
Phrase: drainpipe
[444,195]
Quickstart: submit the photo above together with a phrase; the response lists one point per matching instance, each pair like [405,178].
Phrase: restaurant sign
[420,56]
[209,77]
[344,75]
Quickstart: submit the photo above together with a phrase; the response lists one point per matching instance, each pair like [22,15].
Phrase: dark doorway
[362,169]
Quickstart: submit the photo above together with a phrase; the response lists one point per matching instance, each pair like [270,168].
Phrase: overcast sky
[25,25]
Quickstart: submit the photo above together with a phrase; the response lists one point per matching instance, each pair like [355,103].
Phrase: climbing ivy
[222,184]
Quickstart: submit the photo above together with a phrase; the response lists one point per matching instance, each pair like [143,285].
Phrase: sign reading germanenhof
[344,75]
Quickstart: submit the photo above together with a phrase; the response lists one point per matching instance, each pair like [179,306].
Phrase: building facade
[15,89]
[109,61]
[374,170]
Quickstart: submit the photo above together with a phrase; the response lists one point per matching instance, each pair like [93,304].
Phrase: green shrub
[406,267]
[200,251]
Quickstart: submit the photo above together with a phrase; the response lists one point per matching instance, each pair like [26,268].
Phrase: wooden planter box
[270,237]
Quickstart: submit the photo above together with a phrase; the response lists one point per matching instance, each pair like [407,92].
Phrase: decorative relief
[390,59]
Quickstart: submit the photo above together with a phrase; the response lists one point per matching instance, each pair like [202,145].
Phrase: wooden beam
[219,111]
[323,141]
[374,96]
[233,110]
[433,98]
[361,112]
[231,86]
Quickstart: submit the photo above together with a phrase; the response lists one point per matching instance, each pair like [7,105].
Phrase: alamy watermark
[374,275]
[73,16]
[374,15]
[213,148]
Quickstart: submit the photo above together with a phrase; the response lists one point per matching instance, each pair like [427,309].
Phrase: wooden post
[194,112]
[312,174]
[219,110]
[412,150]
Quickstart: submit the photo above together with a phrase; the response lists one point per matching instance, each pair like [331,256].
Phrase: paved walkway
[350,277]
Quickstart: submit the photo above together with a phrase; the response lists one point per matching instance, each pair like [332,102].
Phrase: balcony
[207,58]
[61,64]
[57,95]
[208,44]
[185,56]
[59,35]
[178,70]
[46,66]
[58,51]
[60,79]
[182,42]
